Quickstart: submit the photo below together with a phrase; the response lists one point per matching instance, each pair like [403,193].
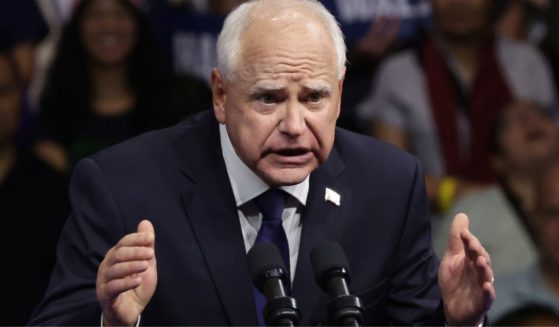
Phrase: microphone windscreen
[263,259]
[328,258]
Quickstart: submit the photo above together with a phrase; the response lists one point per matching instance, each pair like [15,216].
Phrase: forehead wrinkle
[299,68]
[284,71]
[260,62]
[261,53]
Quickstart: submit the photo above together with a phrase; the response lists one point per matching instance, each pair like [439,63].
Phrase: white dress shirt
[247,186]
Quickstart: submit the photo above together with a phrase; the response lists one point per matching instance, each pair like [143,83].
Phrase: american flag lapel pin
[332,196]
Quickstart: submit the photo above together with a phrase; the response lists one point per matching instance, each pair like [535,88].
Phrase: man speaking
[161,224]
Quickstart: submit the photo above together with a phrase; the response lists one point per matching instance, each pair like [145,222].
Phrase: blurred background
[467,86]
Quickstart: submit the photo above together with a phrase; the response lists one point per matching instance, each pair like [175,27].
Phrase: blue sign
[356,16]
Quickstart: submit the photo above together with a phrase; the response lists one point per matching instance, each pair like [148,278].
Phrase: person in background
[538,284]
[105,84]
[186,31]
[524,20]
[535,21]
[439,99]
[550,42]
[523,138]
[33,207]
[21,38]
[373,29]
[364,56]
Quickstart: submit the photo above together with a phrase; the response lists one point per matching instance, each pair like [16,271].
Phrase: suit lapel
[212,213]
[322,220]
[210,206]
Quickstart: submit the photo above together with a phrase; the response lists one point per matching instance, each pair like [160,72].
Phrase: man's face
[462,19]
[281,104]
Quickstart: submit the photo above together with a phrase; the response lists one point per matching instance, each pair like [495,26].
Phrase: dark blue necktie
[271,204]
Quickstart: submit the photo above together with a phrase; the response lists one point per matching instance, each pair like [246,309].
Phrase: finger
[473,246]
[489,289]
[484,270]
[488,293]
[489,296]
[126,254]
[117,286]
[455,242]
[146,227]
[145,236]
[125,269]
[136,239]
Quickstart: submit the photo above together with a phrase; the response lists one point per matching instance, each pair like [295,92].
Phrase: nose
[293,122]
[109,22]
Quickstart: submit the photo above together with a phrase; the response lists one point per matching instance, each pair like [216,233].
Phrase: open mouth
[292,152]
[291,157]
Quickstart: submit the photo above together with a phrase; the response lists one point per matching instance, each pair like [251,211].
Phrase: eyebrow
[265,87]
[318,86]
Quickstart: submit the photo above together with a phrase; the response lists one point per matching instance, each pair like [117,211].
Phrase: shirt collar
[252,185]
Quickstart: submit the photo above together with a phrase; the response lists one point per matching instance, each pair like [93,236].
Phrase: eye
[315,97]
[268,98]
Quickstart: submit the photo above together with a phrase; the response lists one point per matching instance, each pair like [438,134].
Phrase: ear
[219,96]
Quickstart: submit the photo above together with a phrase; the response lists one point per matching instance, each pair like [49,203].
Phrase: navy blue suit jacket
[176,177]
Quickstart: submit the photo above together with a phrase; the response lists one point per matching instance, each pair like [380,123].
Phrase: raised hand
[127,277]
[465,276]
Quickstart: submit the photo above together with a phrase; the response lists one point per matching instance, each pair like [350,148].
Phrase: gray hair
[238,21]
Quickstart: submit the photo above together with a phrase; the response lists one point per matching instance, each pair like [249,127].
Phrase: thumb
[146,227]
[459,224]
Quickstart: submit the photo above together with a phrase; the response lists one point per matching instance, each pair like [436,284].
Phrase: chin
[286,176]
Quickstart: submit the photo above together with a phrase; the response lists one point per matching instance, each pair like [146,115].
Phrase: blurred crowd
[467,86]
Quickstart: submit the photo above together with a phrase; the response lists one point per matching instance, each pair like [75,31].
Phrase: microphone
[268,274]
[331,271]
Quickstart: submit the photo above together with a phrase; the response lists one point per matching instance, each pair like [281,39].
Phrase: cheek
[88,28]
[246,119]
[324,127]
[250,141]
[249,136]
[130,30]
[88,40]
[9,105]
[510,142]
[553,130]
